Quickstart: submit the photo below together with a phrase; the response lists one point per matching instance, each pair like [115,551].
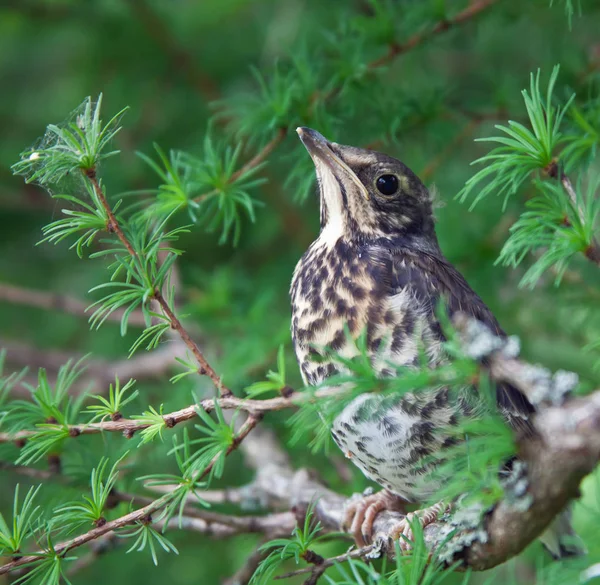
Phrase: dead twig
[58,302]
[99,373]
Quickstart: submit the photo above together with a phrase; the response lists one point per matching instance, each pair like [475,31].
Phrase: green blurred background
[176,63]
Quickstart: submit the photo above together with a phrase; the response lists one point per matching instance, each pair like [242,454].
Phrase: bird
[376,269]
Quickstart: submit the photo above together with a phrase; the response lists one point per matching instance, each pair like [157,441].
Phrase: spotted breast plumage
[376,269]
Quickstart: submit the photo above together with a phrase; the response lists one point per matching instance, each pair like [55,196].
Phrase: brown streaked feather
[431,278]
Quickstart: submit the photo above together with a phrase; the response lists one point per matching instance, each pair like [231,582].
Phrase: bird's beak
[321,149]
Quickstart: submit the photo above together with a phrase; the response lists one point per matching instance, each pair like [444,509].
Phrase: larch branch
[99,373]
[396,49]
[113,226]
[254,162]
[133,517]
[230,402]
[592,252]
[180,59]
[58,302]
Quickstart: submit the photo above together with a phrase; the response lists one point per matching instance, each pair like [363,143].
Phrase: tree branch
[57,302]
[255,161]
[553,170]
[99,373]
[179,58]
[396,49]
[537,383]
[260,524]
[565,450]
[133,517]
[114,227]
[130,426]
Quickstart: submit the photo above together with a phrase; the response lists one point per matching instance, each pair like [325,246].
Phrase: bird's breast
[341,292]
[332,293]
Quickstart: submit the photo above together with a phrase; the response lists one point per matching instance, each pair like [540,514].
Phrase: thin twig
[205,368]
[57,302]
[133,517]
[261,155]
[99,373]
[114,227]
[396,49]
[179,58]
[93,534]
[255,161]
[130,426]
[243,575]
[319,569]
[553,170]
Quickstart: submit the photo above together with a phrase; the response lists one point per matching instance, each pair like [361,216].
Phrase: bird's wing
[431,278]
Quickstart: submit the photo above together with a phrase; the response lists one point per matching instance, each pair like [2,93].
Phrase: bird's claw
[402,531]
[361,514]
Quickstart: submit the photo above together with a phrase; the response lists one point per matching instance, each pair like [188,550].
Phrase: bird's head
[364,193]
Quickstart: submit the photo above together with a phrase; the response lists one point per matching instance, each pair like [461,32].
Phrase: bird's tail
[560,540]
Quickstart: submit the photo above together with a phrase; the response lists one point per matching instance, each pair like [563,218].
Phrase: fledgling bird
[376,267]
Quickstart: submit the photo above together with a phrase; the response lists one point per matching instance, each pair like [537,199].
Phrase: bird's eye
[387,184]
